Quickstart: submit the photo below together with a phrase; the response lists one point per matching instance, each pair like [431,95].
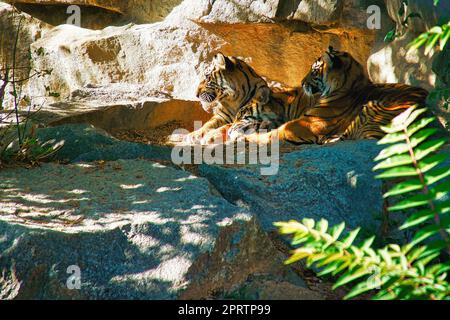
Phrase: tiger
[348,106]
[240,99]
[230,85]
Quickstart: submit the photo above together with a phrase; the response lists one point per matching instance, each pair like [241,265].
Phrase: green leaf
[444,39]
[419,124]
[351,276]
[308,223]
[431,43]
[359,289]
[425,233]
[441,190]
[416,184]
[331,258]
[290,227]
[403,120]
[417,218]
[403,147]
[428,147]
[299,254]
[390,36]
[322,226]
[429,163]
[404,187]
[367,243]
[412,202]
[348,240]
[402,171]
[386,256]
[436,29]
[392,138]
[337,230]
[437,175]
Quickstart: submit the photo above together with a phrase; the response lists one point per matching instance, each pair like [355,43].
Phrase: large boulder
[15,25]
[133,229]
[245,11]
[81,142]
[334,182]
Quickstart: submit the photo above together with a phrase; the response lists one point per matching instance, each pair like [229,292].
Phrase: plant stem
[426,191]
[16,100]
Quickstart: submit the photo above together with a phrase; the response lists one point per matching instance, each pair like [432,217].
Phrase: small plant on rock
[18,142]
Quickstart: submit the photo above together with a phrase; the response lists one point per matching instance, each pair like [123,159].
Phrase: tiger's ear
[331,59]
[222,62]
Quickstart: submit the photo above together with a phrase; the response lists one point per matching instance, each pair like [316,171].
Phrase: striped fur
[283,105]
[350,106]
[229,86]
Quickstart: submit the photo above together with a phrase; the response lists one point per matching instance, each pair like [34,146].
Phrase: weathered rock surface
[86,143]
[27,29]
[245,11]
[134,10]
[131,115]
[113,5]
[333,182]
[133,228]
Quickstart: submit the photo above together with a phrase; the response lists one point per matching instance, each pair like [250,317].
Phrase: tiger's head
[333,71]
[231,83]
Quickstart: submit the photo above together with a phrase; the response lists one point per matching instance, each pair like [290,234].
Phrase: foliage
[436,35]
[415,270]
[439,34]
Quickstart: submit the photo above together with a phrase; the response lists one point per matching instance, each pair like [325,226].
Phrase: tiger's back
[383,103]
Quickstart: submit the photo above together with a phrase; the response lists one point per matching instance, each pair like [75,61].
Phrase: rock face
[314,182]
[135,62]
[135,10]
[27,30]
[132,227]
[86,143]
[244,11]
[135,229]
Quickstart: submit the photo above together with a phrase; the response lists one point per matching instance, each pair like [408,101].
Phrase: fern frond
[411,271]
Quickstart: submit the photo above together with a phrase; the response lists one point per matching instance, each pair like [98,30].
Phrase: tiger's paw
[194,137]
[217,136]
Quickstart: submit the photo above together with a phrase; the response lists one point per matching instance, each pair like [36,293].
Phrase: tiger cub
[230,85]
[240,99]
[349,105]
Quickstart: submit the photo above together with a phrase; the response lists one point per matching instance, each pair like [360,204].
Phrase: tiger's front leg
[197,136]
[300,131]
[216,135]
